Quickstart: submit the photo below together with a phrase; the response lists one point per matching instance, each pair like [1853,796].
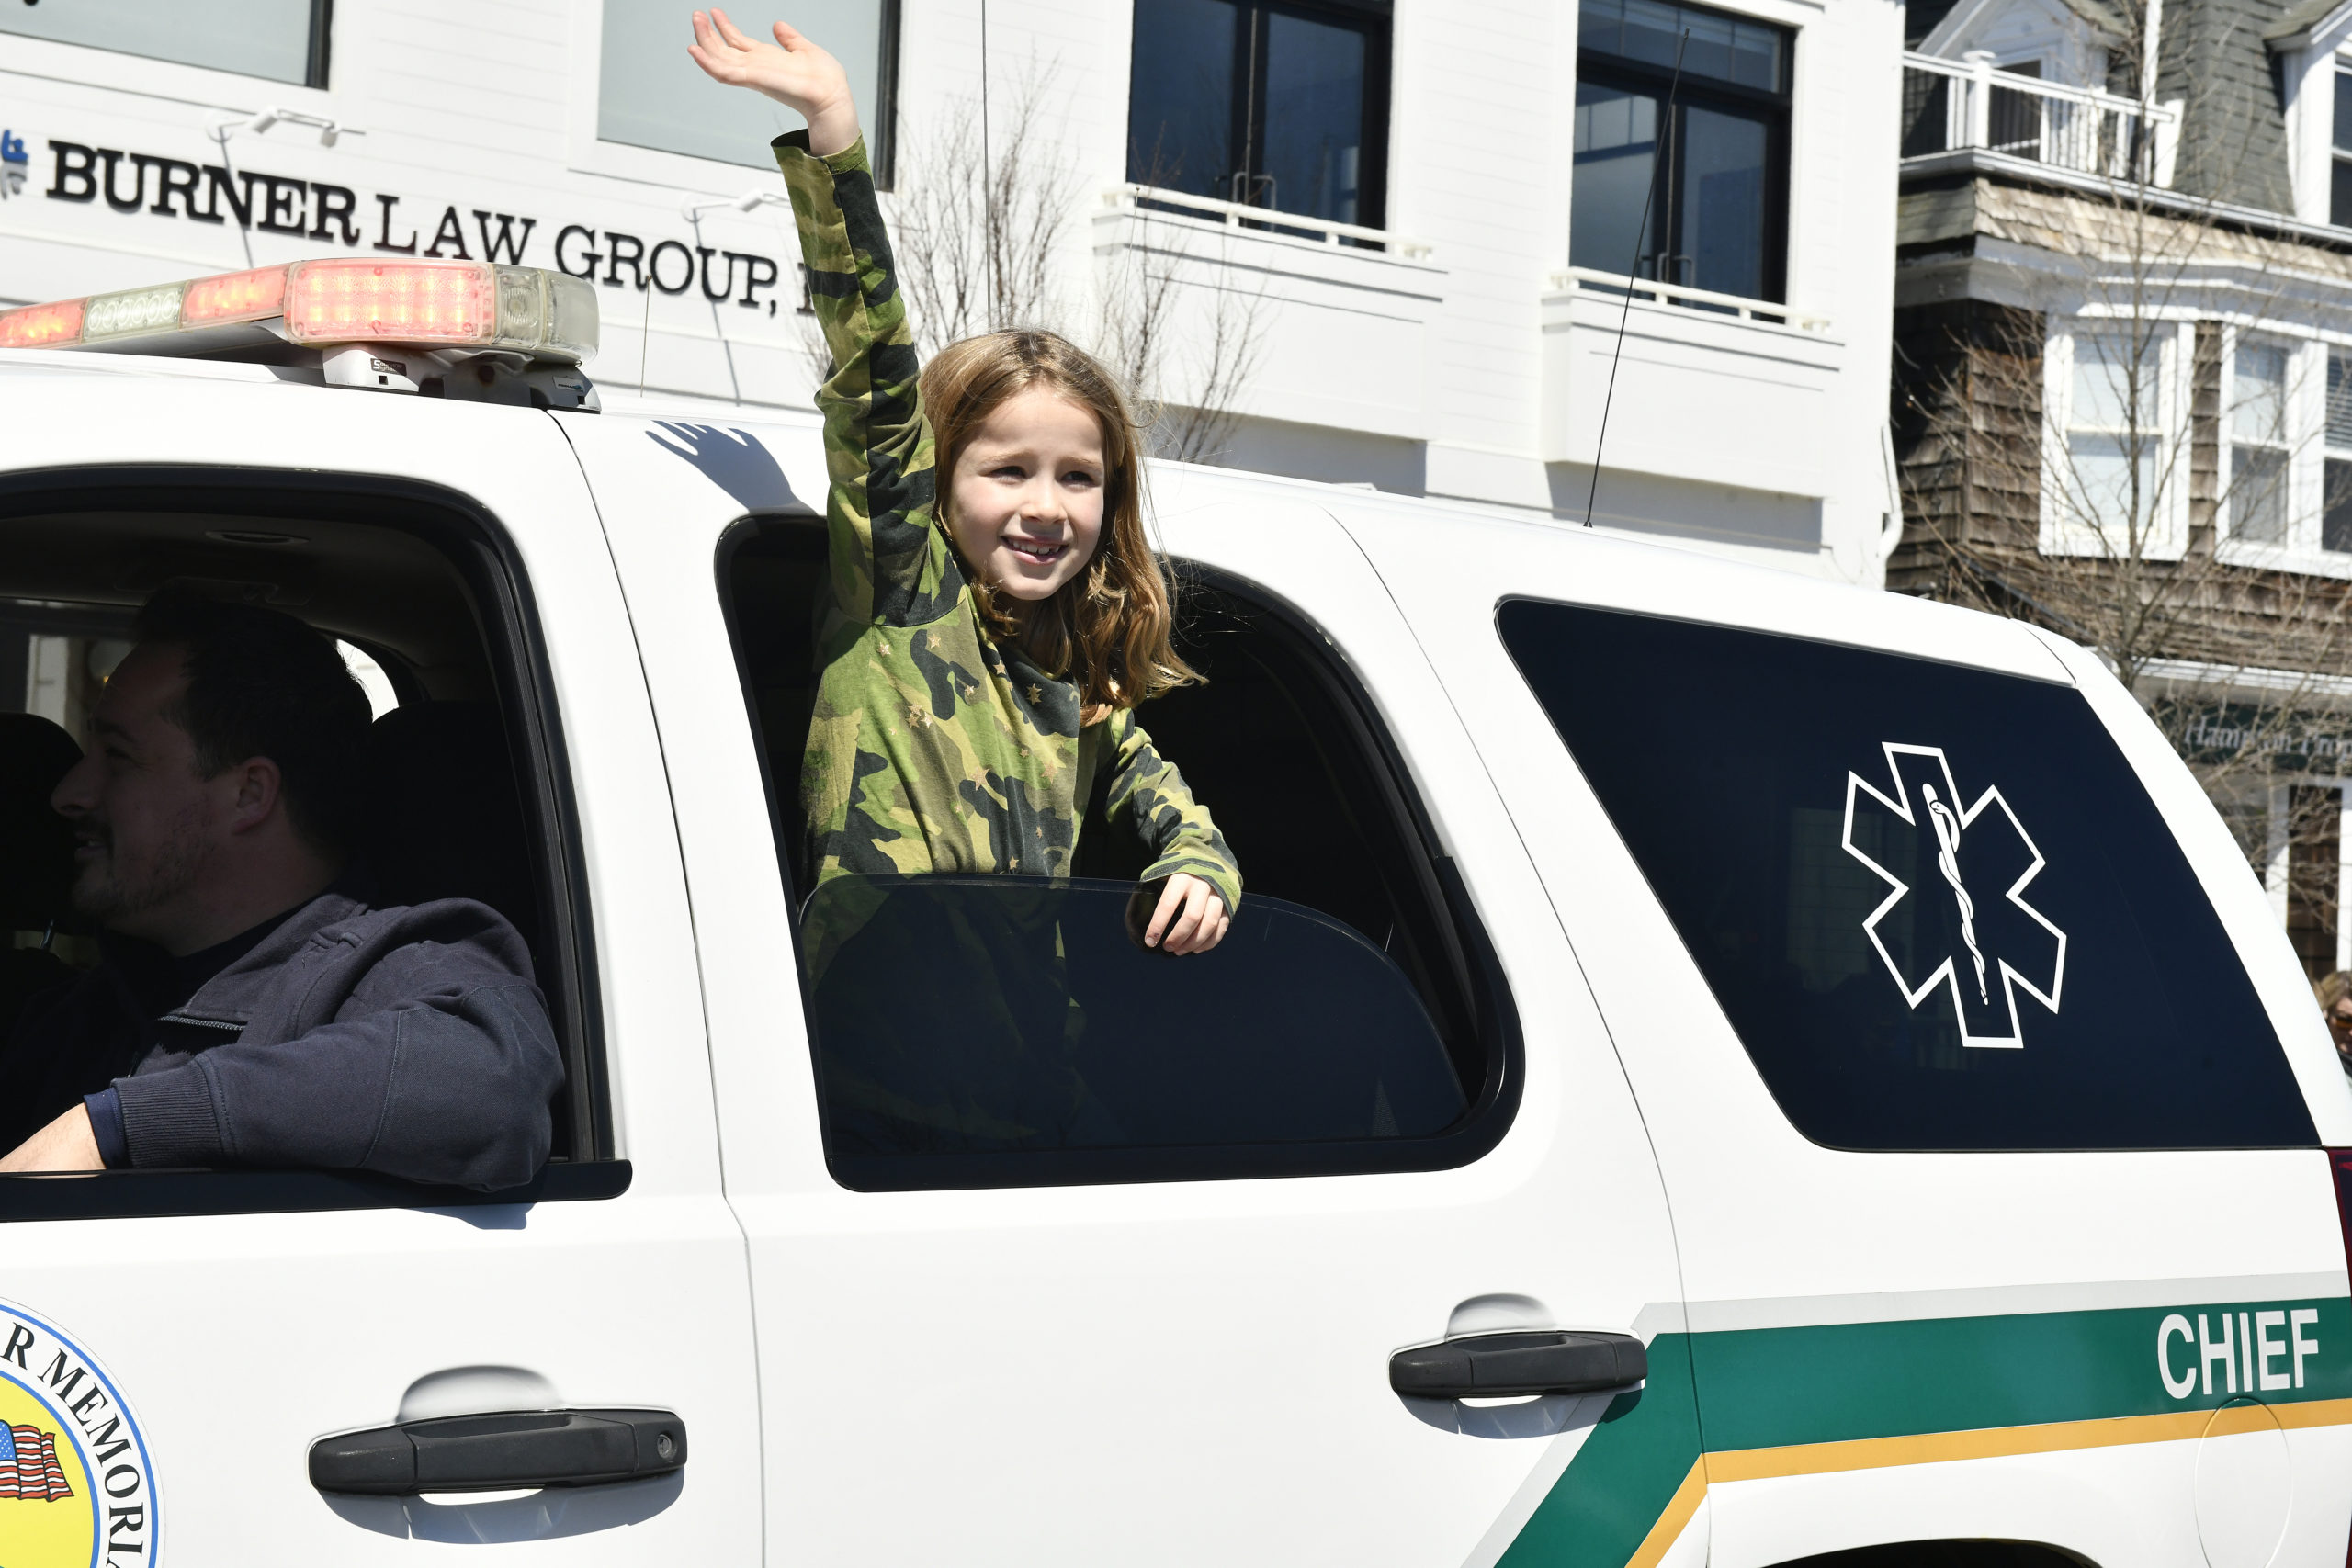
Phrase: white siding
[1468,372]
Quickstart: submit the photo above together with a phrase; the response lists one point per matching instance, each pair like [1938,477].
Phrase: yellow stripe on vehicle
[1670,1522]
[1999,1442]
[1944,1448]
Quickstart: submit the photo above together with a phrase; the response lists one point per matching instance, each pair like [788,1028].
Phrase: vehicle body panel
[1168,1372]
[239,1339]
[1783,1237]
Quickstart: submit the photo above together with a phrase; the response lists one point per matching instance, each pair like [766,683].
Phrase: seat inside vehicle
[448,807]
[36,860]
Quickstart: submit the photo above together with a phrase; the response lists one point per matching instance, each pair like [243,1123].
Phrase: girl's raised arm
[889,563]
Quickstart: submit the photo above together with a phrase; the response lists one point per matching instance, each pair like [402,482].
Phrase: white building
[1435,313]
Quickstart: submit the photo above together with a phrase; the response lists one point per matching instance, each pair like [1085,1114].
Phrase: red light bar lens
[238,296]
[38,326]
[355,302]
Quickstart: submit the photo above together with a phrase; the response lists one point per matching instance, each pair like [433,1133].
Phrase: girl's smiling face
[1025,503]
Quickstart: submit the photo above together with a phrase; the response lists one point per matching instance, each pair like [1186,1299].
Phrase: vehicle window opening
[465,793]
[1339,877]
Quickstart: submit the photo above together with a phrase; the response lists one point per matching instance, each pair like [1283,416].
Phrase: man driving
[251,1008]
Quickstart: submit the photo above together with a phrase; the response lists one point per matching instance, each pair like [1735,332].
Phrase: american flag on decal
[29,1467]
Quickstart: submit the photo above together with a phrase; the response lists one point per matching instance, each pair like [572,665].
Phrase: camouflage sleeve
[1146,794]
[889,563]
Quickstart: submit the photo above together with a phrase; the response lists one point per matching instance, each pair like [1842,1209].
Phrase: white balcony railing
[1262,221]
[1950,106]
[1617,285]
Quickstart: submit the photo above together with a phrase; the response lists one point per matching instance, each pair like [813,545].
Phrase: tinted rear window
[1935,903]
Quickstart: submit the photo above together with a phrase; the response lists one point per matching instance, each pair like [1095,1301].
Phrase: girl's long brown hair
[1108,629]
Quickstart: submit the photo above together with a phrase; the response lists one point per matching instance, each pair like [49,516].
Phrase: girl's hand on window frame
[1190,918]
[792,71]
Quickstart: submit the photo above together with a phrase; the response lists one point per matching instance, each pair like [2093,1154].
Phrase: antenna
[1665,169]
[988,179]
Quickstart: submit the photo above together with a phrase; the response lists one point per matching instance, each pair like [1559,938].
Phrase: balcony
[1337,317]
[1709,387]
[1967,106]
[1585,278]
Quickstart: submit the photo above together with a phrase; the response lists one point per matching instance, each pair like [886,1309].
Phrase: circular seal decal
[76,1488]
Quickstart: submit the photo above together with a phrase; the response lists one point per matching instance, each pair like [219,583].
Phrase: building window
[283,41]
[2339,189]
[2258,447]
[2114,428]
[651,93]
[1282,107]
[1714,180]
[2336,516]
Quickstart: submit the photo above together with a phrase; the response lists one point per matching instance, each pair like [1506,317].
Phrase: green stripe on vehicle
[1599,1511]
[1737,1390]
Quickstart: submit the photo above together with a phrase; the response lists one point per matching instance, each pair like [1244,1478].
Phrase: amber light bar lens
[349,301]
[329,302]
[39,326]
[236,297]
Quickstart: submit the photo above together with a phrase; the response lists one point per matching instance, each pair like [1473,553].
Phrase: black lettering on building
[753,278]
[177,178]
[589,256]
[73,178]
[217,188]
[807,306]
[654,266]
[281,208]
[58,1380]
[504,239]
[635,257]
[450,232]
[384,230]
[333,204]
[128,1469]
[139,163]
[20,1339]
[727,285]
[82,1406]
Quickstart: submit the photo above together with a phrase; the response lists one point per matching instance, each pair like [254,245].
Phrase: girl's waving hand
[792,71]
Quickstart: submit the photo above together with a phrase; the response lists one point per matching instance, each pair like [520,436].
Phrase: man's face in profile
[143,821]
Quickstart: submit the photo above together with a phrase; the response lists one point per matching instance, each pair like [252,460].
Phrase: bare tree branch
[2111,456]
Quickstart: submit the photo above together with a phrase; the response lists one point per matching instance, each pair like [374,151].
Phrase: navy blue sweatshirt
[410,1040]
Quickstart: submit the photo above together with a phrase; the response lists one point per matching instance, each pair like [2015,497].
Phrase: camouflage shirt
[935,747]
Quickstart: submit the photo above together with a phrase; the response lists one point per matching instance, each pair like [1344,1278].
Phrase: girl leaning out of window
[997,611]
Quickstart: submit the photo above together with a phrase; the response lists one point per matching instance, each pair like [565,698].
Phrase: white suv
[1710,1066]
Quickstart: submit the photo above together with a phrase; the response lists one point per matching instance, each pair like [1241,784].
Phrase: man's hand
[1197,914]
[65,1143]
[792,71]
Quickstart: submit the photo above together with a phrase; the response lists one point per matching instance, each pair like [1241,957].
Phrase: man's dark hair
[261,683]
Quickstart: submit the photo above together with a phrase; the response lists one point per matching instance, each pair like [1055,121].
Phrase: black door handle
[492,1453]
[1481,1366]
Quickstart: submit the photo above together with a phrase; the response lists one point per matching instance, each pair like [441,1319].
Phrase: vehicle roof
[1539,557]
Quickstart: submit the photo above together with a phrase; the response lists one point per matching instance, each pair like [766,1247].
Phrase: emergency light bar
[518,322]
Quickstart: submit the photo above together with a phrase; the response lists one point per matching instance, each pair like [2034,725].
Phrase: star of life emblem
[1968,935]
